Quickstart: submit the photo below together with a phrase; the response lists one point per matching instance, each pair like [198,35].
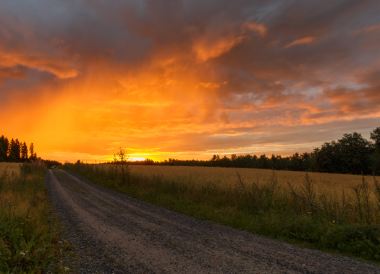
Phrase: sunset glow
[186,79]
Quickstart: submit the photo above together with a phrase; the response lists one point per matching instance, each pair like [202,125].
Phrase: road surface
[113,233]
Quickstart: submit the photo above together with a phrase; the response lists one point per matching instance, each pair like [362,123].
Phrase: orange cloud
[213,45]
[60,68]
[209,48]
[301,41]
[261,29]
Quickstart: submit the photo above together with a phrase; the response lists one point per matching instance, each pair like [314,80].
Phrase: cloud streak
[307,40]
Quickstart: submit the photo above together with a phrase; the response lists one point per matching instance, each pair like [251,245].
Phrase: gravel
[113,233]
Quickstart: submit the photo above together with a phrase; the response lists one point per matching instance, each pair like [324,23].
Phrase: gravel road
[113,233]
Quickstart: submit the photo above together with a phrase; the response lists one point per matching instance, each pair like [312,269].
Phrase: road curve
[113,233]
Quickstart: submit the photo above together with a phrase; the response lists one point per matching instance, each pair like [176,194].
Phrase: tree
[14,151]
[355,153]
[121,159]
[375,137]
[33,155]
[215,157]
[350,154]
[233,157]
[4,145]
[24,152]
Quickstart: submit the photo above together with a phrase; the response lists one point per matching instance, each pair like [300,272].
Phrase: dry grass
[12,169]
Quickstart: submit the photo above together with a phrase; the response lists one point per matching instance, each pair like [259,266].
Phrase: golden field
[229,176]
[12,169]
[333,184]
[341,190]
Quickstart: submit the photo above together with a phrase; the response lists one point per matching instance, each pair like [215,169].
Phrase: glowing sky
[187,79]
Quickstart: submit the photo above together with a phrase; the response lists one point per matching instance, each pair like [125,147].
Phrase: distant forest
[351,154]
[14,150]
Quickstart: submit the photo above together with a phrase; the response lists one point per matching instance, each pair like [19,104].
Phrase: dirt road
[112,233]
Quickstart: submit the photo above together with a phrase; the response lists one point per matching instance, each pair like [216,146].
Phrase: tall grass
[347,222]
[28,235]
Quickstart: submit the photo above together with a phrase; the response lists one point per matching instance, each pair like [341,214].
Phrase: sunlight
[137,159]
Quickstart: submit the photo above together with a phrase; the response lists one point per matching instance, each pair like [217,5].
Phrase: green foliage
[28,236]
[350,154]
[349,224]
[362,240]
[375,136]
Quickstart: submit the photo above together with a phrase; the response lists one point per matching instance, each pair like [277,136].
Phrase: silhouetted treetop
[15,151]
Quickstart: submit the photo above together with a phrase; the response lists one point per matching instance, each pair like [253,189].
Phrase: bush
[359,240]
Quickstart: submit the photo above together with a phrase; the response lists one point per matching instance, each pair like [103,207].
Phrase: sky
[187,78]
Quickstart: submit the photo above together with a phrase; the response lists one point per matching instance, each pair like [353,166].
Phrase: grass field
[29,240]
[326,211]
[334,186]
[228,177]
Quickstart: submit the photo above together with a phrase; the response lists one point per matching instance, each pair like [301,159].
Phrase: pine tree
[4,145]
[24,152]
[14,151]
[33,155]
[375,137]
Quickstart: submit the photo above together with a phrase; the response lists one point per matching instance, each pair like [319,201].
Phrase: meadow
[339,213]
[29,235]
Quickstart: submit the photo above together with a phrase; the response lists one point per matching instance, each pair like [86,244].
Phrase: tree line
[351,154]
[13,150]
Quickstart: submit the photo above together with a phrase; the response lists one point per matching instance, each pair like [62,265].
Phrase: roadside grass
[348,223]
[12,169]
[29,235]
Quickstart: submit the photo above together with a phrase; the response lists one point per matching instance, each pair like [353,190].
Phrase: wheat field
[229,176]
[340,191]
